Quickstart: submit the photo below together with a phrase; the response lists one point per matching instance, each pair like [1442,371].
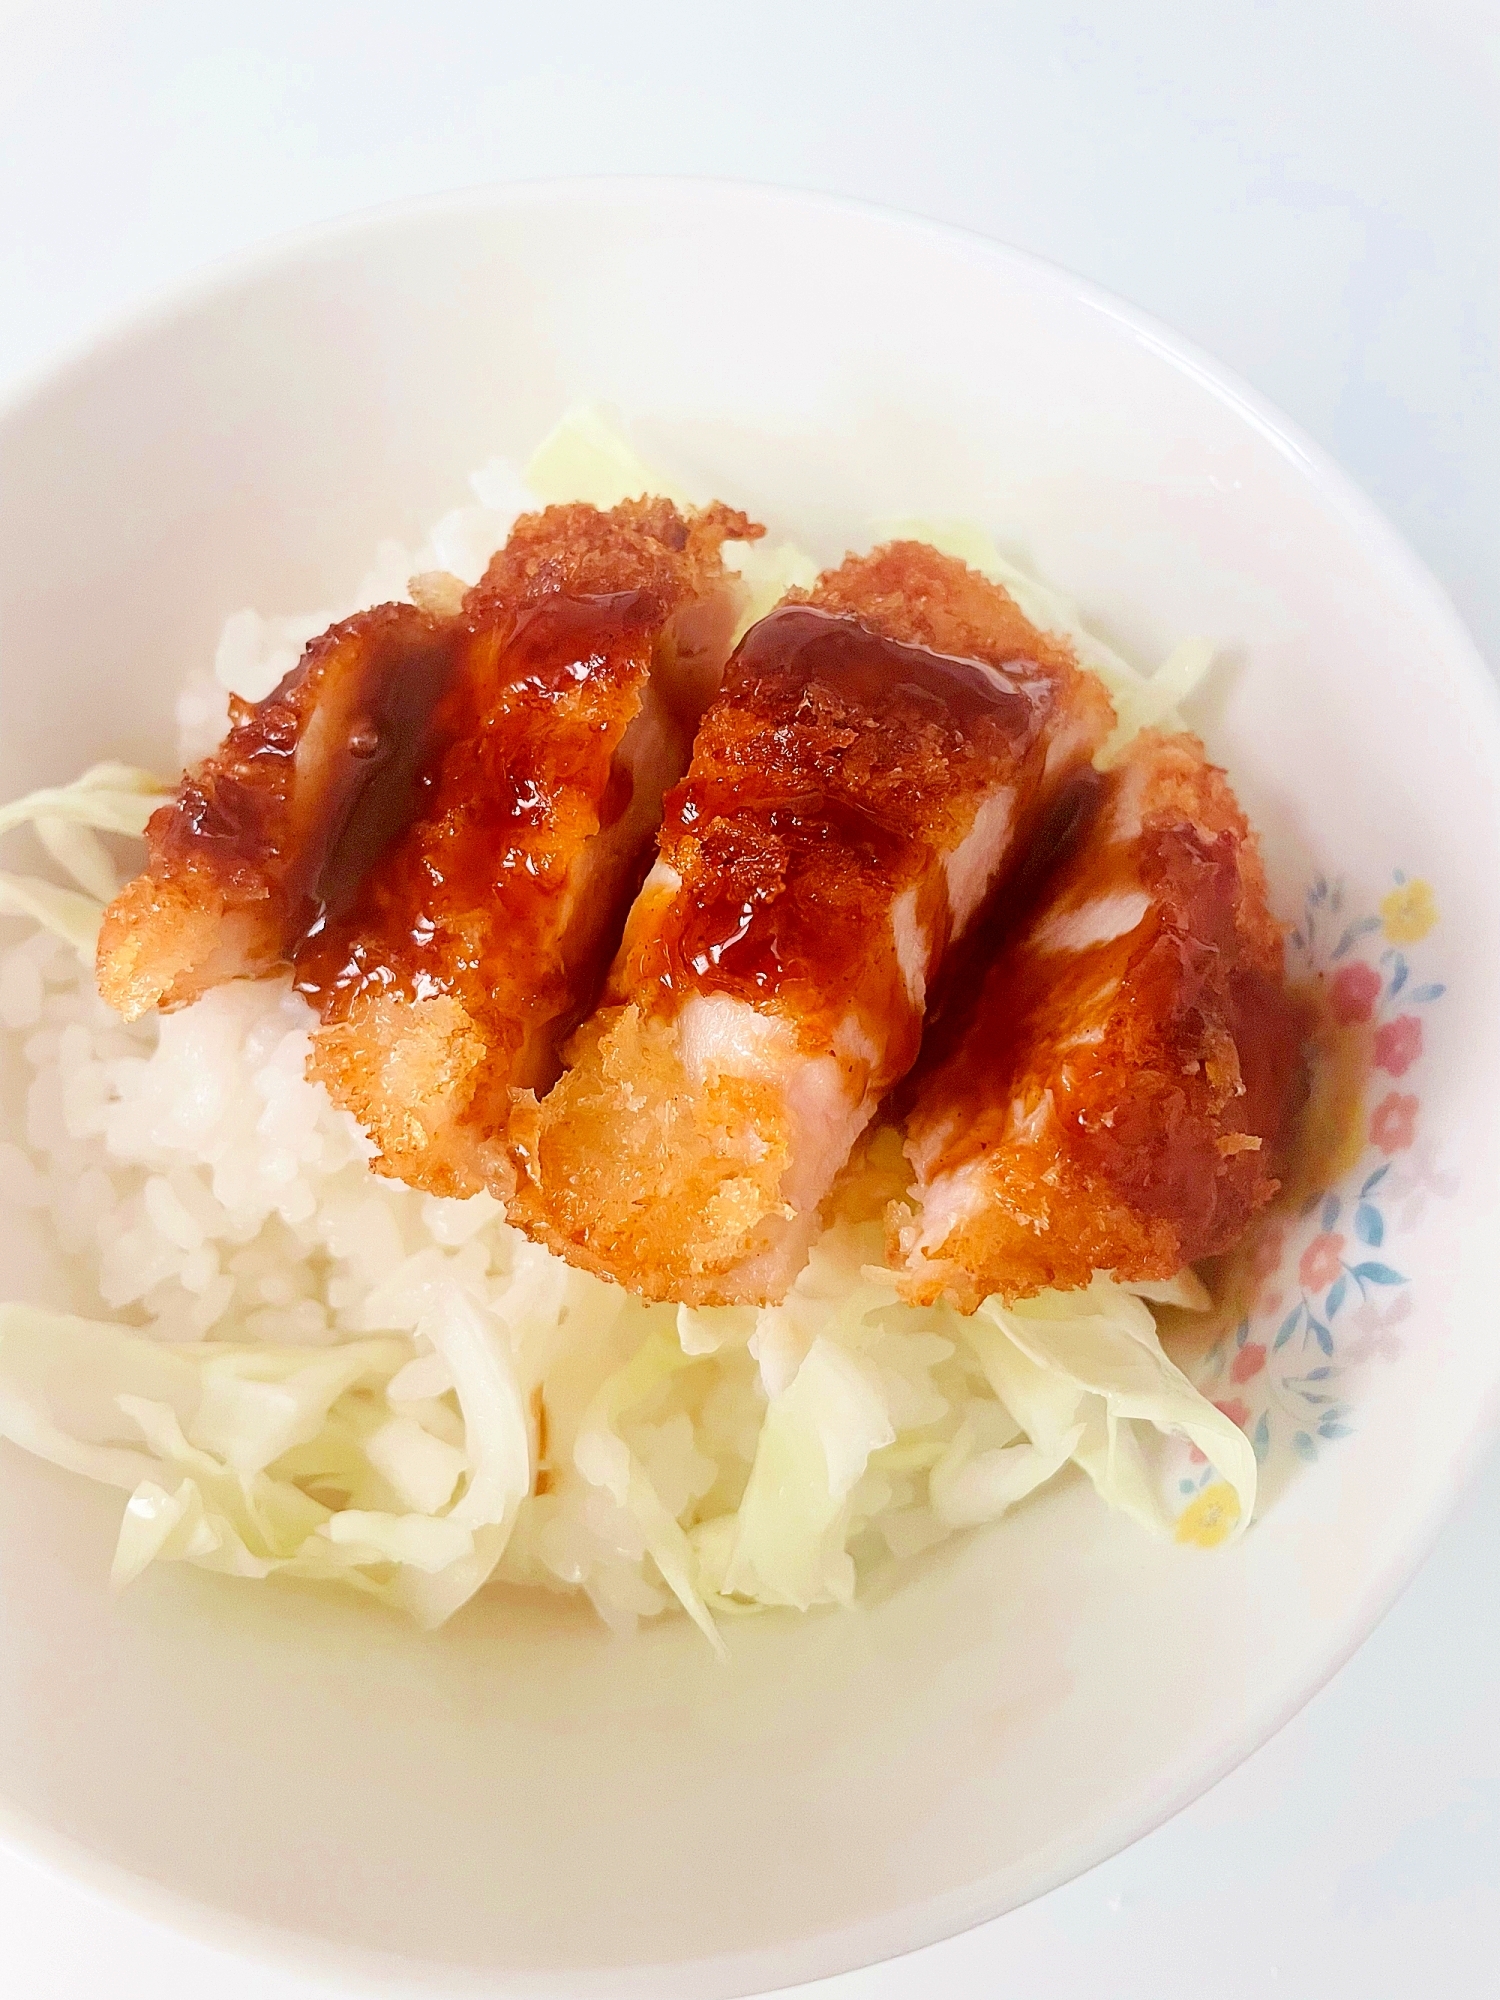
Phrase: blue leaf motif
[1287,1328]
[1330,1427]
[1355,931]
[1369,1225]
[1400,976]
[1303,1445]
[1336,1296]
[1375,1179]
[1420,995]
[1331,1207]
[1186,1486]
[1261,1439]
[1299,940]
[1242,1333]
[1317,1374]
[1378,1274]
[1323,1336]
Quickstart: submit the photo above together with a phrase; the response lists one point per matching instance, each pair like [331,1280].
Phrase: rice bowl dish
[525,1800]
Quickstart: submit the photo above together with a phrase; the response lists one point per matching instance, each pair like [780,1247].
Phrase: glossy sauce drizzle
[514,774]
[309,782]
[832,772]
[360,755]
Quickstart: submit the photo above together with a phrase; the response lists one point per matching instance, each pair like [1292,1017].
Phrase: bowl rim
[909,1928]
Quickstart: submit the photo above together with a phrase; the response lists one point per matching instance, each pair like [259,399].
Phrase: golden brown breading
[916,595]
[878,752]
[1123,1093]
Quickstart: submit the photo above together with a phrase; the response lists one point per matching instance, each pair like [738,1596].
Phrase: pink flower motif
[1237,1412]
[1268,1303]
[1322,1261]
[1417,1177]
[1372,1328]
[1398,1043]
[1249,1361]
[1393,1123]
[1355,990]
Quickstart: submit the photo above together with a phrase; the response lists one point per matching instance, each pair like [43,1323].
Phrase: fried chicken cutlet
[1121,1097]
[238,861]
[868,772]
[439,820]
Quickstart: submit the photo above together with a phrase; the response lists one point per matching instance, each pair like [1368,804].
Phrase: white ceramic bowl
[517,1803]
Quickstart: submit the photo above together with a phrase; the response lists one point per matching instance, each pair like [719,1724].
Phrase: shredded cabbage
[1075,1378]
[114,798]
[400,1463]
[253,1459]
[107,798]
[585,457]
[604,1459]
[791,1534]
[769,570]
[1081,1371]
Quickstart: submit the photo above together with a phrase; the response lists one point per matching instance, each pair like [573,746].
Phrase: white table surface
[1308,188]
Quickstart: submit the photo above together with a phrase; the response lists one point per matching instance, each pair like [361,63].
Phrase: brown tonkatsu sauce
[831,754]
[376,740]
[801,646]
[311,781]
[491,812]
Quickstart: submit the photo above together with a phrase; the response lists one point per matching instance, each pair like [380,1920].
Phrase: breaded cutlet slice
[1122,1096]
[238,860]
[869,770]
[480,937]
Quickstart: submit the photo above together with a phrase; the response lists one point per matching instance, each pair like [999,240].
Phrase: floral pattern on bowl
[1330,1291]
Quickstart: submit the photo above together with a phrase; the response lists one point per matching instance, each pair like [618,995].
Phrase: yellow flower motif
[1409,912]
[1211,1517]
